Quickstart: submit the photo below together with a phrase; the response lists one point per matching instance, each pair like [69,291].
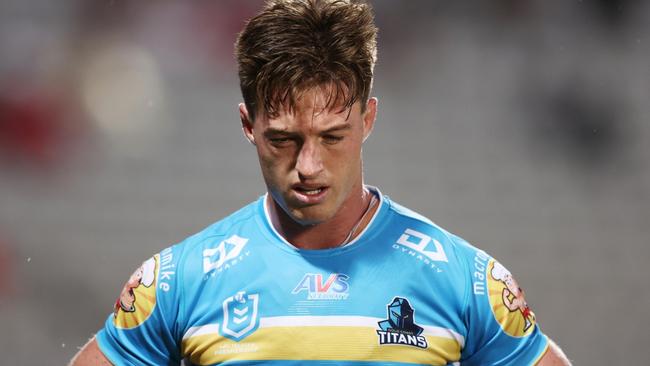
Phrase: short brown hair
[294,45]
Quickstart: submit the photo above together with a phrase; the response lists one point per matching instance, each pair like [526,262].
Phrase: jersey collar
[264,203]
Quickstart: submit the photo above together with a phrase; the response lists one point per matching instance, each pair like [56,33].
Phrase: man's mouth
[310,194]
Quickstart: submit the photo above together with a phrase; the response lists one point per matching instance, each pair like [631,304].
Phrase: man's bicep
[501,327]
[142,327]
[90,355]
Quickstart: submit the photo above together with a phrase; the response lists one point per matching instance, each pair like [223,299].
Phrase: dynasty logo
[400,327]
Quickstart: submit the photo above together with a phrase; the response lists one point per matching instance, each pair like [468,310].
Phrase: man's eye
[332,139]
[280,141]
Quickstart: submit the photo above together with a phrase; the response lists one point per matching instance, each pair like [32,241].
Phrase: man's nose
[309,163]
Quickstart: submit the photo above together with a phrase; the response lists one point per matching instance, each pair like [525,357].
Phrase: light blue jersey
[403,292]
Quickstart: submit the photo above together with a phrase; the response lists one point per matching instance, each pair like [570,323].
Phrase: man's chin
[309,216]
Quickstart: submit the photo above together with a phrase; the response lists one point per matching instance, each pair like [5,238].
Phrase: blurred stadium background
[521,125]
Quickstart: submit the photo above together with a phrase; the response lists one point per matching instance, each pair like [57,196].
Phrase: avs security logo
[400,327]
[227,254]
[317,287]
[240,315]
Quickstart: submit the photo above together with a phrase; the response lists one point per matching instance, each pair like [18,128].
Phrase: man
[322,268]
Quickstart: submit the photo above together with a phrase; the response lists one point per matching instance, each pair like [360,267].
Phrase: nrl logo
[240,315]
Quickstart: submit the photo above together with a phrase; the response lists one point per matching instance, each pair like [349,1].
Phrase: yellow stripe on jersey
[337,343]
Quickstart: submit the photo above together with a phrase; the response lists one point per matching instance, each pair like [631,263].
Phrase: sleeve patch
[508,302]
[138,297]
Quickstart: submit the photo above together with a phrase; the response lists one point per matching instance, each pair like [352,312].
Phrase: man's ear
[246,123]
[369,117]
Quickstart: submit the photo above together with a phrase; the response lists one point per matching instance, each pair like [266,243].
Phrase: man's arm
[90,355]
[554,356]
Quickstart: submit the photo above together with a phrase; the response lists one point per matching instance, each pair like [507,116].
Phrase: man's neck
[332,233]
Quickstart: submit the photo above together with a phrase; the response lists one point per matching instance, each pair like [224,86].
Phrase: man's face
[311,157]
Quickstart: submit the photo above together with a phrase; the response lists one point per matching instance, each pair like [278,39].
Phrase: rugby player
[322,269]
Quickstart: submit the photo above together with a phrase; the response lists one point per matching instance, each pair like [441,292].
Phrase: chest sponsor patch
[400,327]
[508,302]
[138,297]
[319,287]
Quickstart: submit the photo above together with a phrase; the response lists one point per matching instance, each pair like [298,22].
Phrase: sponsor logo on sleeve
[138,297]
[400,327]
[508,302]
[318,287]
[478,272]
[167,269]
[240,315]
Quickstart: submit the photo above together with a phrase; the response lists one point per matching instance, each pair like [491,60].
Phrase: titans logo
[400,327]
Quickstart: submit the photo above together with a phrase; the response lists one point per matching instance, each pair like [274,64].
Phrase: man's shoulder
[234,222]
[211,247]
[421,233]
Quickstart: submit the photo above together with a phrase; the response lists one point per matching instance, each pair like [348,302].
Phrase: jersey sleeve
[143,329]
[501,327]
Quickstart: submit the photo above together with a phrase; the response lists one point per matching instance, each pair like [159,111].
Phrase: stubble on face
[311,158]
